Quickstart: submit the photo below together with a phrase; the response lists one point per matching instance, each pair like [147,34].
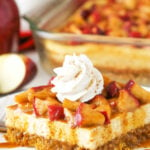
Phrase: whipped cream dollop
[77,79]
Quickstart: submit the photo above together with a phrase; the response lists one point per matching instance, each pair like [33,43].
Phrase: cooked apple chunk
[138,91]
[101,104]
[86,116]
[70,104]
[127,102]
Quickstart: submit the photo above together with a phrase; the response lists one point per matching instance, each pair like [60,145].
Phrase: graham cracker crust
[125,142]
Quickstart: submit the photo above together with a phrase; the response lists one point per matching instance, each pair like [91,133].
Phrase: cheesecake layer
[91,138]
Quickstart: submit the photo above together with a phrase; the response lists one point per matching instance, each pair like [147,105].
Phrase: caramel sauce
[29,112]
[8,145]
[145,144]
[13,106]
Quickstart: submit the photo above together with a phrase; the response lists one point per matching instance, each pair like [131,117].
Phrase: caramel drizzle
[8,145]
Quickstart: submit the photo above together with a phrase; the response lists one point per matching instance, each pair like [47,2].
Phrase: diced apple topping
[115,98]
[40,106]
[138,92]
[127,102]
[55,112]
[40,88]
[112,89]
[26,106]
[70,105]
[102,105]
[69,116]
[112,102]
[129,85]
[86,116]
[22,97]
[41,92]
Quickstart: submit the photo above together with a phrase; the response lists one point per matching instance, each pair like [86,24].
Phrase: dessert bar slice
[80,109]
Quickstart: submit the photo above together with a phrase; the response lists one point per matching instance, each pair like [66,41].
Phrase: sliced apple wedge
[15,71]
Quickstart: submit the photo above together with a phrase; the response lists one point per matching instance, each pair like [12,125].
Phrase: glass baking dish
[117,57]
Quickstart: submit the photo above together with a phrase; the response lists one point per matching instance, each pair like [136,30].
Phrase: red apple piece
[86,116]
[112,89]
[55,112]
[16,70]
[40,88]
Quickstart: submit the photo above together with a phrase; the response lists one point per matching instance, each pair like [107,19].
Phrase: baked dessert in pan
[80,109]
[114,18]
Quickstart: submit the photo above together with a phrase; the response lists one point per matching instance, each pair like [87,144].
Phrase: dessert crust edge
[128,141]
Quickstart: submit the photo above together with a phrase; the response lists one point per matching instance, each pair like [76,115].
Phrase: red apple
[9,26]
[15,71]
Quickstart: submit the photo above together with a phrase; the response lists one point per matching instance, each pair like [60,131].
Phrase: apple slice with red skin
[140,93]
[41,92]
[86,116]
[40,88]
[107,118]
[55,112]
[15,71]
[31,68]
[40,107]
